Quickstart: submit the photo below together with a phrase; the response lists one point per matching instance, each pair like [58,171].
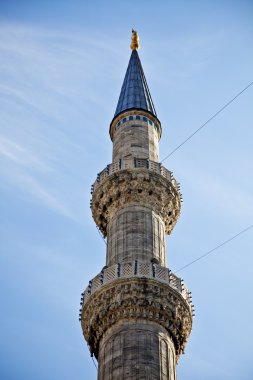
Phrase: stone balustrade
[135,164]
[139,270]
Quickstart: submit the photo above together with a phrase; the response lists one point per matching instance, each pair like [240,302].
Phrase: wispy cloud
[45,87]
[58,64]
[38,191]
[19,155]
[29,187]
[219,194]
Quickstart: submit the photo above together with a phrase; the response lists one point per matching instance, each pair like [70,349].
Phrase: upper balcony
[135,163]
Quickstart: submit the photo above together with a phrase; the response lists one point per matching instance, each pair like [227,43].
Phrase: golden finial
[135,40]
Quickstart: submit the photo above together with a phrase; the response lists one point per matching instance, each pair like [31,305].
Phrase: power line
[94,362]
[102,237]
[208,121]
[215,248]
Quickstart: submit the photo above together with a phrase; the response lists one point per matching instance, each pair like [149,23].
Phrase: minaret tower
[136,315]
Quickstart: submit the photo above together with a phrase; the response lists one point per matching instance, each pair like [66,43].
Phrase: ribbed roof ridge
[135,92]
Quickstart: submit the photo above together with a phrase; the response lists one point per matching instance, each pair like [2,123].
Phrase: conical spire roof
[135,92]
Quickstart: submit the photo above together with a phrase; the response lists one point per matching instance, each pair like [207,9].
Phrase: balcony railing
[132,164]
[136,269]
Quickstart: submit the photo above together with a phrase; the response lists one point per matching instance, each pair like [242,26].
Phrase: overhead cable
[208,121]
[102,237]
[94,363]
[214,249]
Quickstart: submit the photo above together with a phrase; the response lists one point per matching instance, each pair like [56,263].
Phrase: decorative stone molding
[131,112]
[136,299]
[137,186]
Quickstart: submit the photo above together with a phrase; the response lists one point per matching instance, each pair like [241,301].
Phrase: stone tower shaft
[136,314]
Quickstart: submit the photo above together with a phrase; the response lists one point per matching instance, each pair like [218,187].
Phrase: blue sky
[61,69]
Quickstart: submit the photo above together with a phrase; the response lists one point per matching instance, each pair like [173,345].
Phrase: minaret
[136,315]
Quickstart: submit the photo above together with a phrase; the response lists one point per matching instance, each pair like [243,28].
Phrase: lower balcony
[139,270]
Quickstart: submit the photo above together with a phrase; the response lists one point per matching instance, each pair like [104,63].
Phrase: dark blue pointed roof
[135,92]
